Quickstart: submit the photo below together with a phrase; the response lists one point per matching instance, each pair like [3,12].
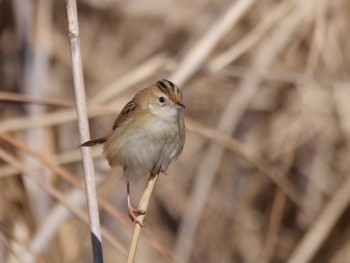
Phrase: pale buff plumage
[148,134]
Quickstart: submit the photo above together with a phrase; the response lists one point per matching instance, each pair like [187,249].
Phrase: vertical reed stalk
[88,166]
[143,206]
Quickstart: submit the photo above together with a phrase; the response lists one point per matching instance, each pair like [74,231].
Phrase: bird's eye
[161,99]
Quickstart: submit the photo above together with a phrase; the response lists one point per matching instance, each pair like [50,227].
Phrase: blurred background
[264,176]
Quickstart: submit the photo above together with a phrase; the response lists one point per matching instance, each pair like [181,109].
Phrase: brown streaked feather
[93,142]
[124,114]
[166,86]
[170,89]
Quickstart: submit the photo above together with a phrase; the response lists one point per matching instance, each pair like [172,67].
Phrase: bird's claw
[161,170]
[134,213]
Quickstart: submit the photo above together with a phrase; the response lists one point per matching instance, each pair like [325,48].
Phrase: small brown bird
[147,136]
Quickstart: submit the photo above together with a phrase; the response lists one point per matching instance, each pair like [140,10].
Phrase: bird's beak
[179,106]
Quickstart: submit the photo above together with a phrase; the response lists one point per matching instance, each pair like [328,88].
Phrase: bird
[147,135]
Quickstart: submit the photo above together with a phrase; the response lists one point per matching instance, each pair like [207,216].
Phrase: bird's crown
[170,89]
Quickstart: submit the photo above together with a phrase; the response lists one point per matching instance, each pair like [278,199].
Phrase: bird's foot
[163,171]
[134,213]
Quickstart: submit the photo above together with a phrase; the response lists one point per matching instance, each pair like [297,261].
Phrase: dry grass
[264,176]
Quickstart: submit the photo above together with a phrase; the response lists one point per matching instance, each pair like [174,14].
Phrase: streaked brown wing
[125,113]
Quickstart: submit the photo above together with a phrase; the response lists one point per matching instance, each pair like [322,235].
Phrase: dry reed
[264,176]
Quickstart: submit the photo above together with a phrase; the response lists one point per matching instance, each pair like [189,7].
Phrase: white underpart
[155,143]
[165,113]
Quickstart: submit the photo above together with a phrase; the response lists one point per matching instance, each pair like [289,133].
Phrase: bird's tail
[93,142]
